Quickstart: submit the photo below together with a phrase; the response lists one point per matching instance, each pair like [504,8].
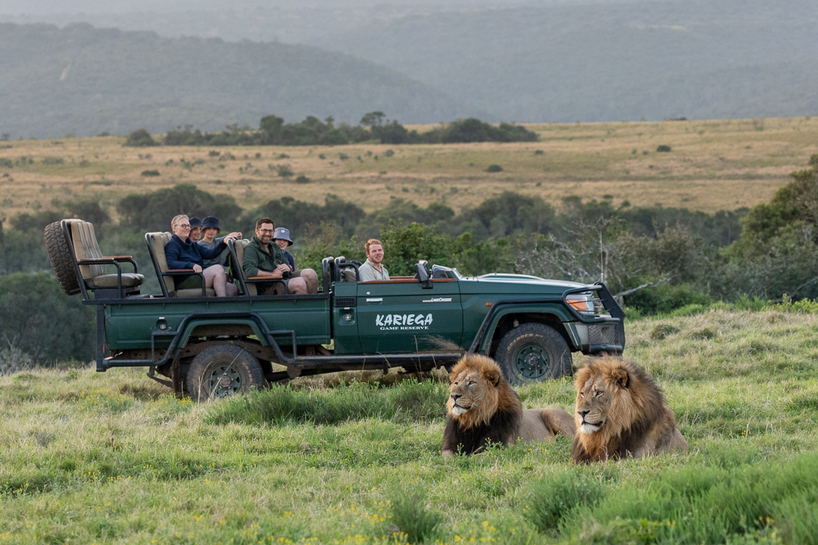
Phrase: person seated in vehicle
[195,229]
[282,239]
[210,229]
[373,268]
[263,258]
[183,253]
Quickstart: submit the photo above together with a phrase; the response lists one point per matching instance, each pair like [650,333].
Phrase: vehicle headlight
[582,302]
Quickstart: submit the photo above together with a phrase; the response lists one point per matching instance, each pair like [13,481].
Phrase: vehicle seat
[247,285]
[86,249]
[156,247]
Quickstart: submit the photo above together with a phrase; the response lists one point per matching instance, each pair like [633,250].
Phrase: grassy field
[712,165]
[113,458]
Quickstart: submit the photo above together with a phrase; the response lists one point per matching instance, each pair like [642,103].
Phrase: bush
[302,180]
[284,171]
[140,138]
[150,173]
[666,298]
[552,500]
[663,148]
[412,516]
[53,160]
[494,168]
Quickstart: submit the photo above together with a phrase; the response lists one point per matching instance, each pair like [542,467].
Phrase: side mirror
[423,274]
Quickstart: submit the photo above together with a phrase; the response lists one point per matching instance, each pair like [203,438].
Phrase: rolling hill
[85,80]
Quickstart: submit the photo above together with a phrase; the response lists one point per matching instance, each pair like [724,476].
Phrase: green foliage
[153,211]
[474,130]
[149,173]
[663,148]
[38,319]
[665,298]
[407,402]
[405,246]
[140,138]
[494,168]
[301,179]
[412,515]
[284,171]
[49,160]
[297,215]
[554,498]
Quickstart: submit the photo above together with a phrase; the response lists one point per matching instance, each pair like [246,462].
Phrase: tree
[373,119]
[140,138]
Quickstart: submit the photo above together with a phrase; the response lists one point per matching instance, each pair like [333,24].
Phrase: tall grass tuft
[551,500]
[406,402]
[699,504]
[416,519]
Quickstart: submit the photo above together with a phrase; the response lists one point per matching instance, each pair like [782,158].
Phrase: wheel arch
[552,315]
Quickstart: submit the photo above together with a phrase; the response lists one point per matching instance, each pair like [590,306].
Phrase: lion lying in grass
[484,409]
[620,412]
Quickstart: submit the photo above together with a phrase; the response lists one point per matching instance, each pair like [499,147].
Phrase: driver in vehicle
[263,258]
[373,268]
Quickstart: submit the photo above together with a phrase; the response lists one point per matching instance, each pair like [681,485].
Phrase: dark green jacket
[257,257]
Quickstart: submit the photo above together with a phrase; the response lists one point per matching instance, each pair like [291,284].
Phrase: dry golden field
[712,165]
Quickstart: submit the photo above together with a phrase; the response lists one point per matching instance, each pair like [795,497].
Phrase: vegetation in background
[273,131]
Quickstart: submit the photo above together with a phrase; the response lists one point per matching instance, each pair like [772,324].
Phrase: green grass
[113,458]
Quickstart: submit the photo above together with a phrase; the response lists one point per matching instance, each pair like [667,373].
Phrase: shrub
[6,163]
[302,180]
[389,153]
[214,153]
[553,499]
[539,152]
[53,160]
[140,138]
[150,173]
[284,171]
[414,518]
[343,156]
[494,168]
[663,148]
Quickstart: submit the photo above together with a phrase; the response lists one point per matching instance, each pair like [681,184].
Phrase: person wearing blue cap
[281,237]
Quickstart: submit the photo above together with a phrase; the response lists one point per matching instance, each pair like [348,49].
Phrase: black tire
[59,254]
[223,370]
[533,352]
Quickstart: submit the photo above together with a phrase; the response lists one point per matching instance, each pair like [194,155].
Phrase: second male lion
[484,409]
[620,412]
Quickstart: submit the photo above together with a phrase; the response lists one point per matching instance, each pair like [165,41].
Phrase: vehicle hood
[515,284]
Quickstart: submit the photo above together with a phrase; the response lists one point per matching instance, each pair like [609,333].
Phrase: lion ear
[492,375]
[621,377]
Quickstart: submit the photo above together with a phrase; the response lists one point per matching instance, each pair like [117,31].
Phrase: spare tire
[59,254]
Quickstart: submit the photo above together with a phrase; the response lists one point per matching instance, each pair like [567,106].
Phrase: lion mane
[621,412]
[483,409]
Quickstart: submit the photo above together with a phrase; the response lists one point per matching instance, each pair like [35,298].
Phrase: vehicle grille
[606,333]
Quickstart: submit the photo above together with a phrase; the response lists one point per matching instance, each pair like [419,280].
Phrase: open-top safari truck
[208,347]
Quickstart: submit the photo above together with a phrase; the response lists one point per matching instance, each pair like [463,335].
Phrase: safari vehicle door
[408,314]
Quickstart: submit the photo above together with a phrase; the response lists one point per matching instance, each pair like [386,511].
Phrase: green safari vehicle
[214,347]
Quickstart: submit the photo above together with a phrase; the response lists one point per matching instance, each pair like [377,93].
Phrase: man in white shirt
[373,268]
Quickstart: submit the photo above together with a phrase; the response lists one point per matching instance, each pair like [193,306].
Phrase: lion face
[593,405]
[470,390]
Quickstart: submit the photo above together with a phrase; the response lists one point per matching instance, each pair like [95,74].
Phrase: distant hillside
[556,60]
[86,81]
[699,59]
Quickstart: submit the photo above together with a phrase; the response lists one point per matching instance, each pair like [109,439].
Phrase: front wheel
[223,370]
[533,352]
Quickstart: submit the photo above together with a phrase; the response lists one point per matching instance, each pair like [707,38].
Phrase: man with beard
[262,258]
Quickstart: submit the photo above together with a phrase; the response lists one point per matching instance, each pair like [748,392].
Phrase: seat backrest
[86,246]
[158,240]
[239,245]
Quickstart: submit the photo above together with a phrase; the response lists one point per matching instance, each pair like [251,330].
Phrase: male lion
[620,411]
[484,409]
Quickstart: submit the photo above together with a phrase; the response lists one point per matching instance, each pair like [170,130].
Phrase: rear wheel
[59,254]
[223,370]
[533,352]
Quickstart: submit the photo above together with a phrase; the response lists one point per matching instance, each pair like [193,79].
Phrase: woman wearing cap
[210,228]
[195,229]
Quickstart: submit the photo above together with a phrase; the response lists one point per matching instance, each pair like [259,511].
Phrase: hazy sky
[50,7]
